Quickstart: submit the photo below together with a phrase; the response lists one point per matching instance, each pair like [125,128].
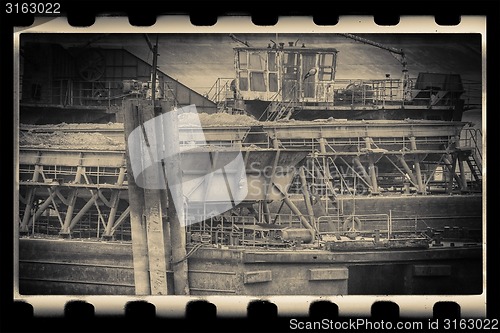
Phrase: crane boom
[393,50]
[396,53]
[370,42]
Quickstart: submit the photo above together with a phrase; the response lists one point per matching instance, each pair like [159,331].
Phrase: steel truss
[78,190]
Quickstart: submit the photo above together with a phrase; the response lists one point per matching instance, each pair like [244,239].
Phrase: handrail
[279,105]
[471,139]
[217,88]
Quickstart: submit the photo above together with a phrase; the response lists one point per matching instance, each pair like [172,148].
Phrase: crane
[236,39]
[398,54]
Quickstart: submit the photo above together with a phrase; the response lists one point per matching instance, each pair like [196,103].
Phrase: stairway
[475,167]
[283,110]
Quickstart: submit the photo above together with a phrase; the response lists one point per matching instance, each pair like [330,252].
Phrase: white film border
[236,306]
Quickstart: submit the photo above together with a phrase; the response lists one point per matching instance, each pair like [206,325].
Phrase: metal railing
[218,92]
[67,92]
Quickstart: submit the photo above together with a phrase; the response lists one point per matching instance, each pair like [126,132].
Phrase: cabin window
[273,82]
[243,79]
[256,61]
[271,62]
[242,59]
[257,82]
[326,74]
[290,59]
[326,66]
[290,64]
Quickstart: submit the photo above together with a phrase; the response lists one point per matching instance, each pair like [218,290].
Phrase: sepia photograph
[250,164]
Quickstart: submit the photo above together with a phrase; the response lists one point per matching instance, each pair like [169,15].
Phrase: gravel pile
[61,140]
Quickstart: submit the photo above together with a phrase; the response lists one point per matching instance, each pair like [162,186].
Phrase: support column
[307,197]
[43,207]
[152,206]
[363,171]
[23,228]
[136,202]
[371,167]
[167,241]
[297,212]
[66,229]
[373,174]
[176,218]
[267,211]
[119,220]
[451,166]
[462,171]
[326,167]
[115,199]
[421,185]
[408,170]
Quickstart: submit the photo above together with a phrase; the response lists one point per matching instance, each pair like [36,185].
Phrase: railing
[473,95]
[218,92]
[280,106]
[472,137]
[66,92]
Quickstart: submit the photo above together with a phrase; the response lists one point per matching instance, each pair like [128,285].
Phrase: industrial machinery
[297,81]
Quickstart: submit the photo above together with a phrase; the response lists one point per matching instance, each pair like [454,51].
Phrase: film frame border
[282,304]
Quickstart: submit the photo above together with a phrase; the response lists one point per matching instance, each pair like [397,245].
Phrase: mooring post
[136,202]
[154,179]
[176,217]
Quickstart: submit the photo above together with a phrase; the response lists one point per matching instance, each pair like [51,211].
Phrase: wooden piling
[176,217]
[136,202]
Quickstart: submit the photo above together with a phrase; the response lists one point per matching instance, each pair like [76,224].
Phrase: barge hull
[55,267]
